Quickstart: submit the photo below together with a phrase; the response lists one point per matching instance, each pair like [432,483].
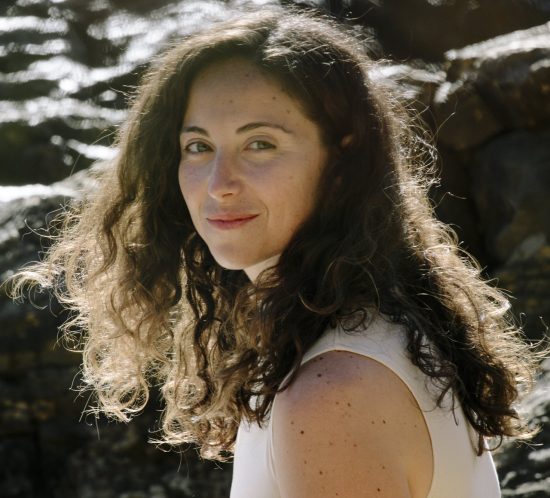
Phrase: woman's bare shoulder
[349,427]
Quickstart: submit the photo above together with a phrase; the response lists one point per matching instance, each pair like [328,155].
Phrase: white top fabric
[458,471]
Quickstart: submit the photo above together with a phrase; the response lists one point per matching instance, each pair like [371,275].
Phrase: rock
[527,279]
[493,86]
[464,118]
[29,332]
[510,177]
[56,452]
[48,148]
[426,29]
[123,463]
[524,468]
[25,213]
[511,73]
[19,459]
[415,84]
[454,203]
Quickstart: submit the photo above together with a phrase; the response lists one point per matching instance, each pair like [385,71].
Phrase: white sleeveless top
[457,471]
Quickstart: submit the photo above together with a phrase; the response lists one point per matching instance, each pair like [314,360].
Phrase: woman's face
[250,164]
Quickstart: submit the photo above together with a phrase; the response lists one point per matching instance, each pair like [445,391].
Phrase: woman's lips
[230,222]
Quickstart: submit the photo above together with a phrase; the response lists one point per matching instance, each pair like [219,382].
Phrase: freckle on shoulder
[330,374]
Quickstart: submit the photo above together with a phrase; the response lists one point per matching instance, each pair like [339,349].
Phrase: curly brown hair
[152,305]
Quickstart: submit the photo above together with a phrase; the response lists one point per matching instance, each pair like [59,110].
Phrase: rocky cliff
[478,72]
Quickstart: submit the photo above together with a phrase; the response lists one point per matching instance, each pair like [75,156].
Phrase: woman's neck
[253,271]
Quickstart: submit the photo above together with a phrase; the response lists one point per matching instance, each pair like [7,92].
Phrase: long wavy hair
[152,307]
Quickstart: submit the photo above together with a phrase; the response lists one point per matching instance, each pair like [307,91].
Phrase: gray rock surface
[511,175]
[524,468]
[426,29]
[497,85]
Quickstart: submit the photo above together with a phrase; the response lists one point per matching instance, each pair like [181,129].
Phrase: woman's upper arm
[348,427]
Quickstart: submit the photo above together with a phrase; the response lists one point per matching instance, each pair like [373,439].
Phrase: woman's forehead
[234,85]
[221,71]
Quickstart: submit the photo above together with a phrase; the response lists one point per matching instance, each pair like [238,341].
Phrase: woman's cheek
[189,179]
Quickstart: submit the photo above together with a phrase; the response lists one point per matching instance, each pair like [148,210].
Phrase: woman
[294,295]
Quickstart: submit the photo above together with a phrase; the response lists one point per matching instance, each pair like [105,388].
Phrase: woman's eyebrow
[242,129]
[263,124]
[194,129]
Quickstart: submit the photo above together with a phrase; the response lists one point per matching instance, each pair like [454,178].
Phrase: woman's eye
[260,145]
[197,148]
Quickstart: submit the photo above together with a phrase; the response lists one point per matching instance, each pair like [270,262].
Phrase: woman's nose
[224,179]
